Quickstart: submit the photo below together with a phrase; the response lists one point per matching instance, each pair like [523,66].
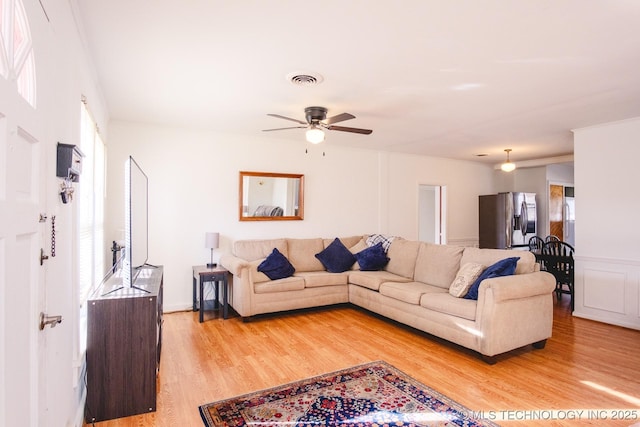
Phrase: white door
[21,157]
[430,214]
[24,169]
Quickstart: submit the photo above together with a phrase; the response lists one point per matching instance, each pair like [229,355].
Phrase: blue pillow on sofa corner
[373,258]
[276,266]
[504,267]
[336,258]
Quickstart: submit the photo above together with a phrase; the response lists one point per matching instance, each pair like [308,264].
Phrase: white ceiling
[446,78]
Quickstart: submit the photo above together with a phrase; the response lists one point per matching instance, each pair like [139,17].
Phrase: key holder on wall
[66,191]
[69,167]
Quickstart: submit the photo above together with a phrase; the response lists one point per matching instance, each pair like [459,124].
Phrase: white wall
[608,254]
[464,182]
[193,184]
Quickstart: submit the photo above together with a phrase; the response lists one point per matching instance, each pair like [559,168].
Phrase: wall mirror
[267,196]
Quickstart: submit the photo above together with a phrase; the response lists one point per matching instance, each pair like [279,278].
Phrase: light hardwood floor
[585,365]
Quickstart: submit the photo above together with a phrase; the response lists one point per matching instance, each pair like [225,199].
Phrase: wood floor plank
[585,365]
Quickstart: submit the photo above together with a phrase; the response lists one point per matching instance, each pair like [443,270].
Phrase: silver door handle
[49,320]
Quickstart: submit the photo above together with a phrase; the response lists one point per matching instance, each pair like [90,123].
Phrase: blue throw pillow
[373,258]
[504,267]
[276,266]
[336,258]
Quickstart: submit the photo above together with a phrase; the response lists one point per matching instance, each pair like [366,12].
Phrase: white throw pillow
[467,274]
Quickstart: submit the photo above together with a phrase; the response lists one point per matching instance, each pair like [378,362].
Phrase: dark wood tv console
[124,340]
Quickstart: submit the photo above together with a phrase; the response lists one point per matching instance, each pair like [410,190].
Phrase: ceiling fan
[317,121]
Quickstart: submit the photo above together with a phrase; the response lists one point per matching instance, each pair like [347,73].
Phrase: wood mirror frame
[268,196]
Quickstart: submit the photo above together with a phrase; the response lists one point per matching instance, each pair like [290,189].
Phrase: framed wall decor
[269,196]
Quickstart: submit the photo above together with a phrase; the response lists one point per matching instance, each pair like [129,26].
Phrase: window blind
[90,204]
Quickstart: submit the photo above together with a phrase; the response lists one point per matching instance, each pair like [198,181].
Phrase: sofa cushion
[402,257]
[446,303]
[526,264]
[504,267]
[252,250]
[373,279]
[276,266]
[409,292]
[282,285]
[314,279]
[372,259]
[302,254]
[438,264]
[466,276]
[336,258]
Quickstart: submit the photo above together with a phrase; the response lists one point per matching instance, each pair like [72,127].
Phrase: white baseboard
[177,307]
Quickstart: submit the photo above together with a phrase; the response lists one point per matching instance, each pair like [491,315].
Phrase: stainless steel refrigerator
[507,220]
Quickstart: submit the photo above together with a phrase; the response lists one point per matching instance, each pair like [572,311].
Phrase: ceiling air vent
[304,79]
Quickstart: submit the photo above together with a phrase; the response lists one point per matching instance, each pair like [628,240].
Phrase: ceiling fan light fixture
[315,135]
[316,122]
[508,166]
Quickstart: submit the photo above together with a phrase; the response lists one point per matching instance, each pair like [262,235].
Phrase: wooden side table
[216,275]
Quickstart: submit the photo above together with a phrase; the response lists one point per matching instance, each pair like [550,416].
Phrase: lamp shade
[508,166]
[315,135]
[211,240]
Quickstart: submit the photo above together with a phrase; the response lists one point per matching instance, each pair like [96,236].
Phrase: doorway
[562,213]
[431,218]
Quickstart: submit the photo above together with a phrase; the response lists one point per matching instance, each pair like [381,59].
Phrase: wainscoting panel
[607,290]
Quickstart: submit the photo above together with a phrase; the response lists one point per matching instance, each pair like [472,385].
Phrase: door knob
[49,320]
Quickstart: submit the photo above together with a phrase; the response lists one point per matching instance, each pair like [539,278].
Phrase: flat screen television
[136,228]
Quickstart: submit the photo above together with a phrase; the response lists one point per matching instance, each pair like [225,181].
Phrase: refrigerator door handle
[524,224]
[510,217]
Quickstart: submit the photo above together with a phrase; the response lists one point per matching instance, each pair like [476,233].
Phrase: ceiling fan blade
[352,130]
[294,127]
[287,118]
[339,118]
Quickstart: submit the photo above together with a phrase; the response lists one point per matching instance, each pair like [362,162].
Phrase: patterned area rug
[373,394]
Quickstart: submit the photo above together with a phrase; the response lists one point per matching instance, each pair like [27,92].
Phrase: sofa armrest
[514,311]
[241,287]
[234,264]
[518,286]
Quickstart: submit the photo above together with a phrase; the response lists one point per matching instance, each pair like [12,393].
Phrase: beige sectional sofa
[413,288]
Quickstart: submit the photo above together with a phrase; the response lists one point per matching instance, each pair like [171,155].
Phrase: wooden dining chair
[535,244]
[551,238]
[558,260]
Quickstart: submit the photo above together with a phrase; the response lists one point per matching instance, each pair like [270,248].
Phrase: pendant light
[508,166]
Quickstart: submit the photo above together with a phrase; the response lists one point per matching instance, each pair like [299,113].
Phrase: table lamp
[211,241]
